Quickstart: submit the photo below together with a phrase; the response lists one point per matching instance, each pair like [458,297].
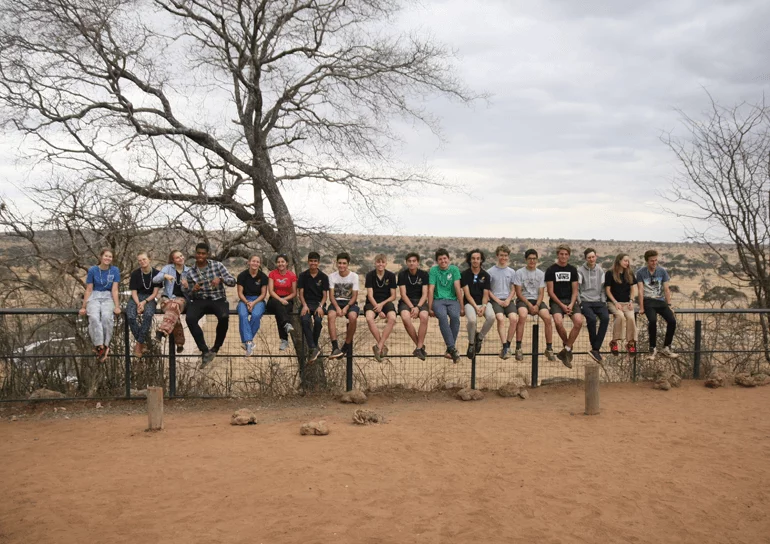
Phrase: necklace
[146,286]
[444,280]
[101,278]
[418,281]
[377,281]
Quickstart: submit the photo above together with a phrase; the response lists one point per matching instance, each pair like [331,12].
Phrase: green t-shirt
[444,280]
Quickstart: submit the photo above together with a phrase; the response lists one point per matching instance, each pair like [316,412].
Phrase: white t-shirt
[531,282]
[501,280]
[342,288]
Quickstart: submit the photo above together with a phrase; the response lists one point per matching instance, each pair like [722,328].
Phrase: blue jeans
[448,313]
[140,327]
[249,322]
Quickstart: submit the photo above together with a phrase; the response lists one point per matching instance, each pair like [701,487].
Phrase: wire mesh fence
[51,349]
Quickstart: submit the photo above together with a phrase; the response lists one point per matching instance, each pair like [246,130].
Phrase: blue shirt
[102,280]
[653,283]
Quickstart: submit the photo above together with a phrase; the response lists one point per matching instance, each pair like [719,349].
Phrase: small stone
[355,397]
[744,379]
[661,384]
[510,389]
[761,379]
[14,418]
[140,393]
[718,378]
[675,380]
[524,394]
[243,417]
[314,428]
[98,405]
[366,417]
[470,394]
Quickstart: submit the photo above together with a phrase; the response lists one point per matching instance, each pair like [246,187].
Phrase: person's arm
[262,294]
[241,296]
[227,278]
[459,295]
[634,290]
[293,293]
[271,288]
[115,297]
[572,300]
[305,309]
[322,304]
[86,296]
[552,296]
[160,276]
[519,296]
[370,296]
[424,297]
[667,293]
[540,297]
[404,298]
[392,296]
[609,294]
[353,300]
[431,293]
[640,293]
[135,296]
[155,293]
[467,293]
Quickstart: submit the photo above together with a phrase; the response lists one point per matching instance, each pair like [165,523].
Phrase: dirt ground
[689,465]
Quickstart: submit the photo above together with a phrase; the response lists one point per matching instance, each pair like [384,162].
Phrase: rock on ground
[366,417]
[315,428]
[354,397]
[516,388]
[243,417]
[470,394]
[44,393]
[139,393]
[666,380]
[718,378]
[745,379]
[661,384]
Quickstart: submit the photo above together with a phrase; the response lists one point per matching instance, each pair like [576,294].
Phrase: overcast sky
[568,145]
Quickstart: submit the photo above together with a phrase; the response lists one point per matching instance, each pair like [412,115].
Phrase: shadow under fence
[50,349]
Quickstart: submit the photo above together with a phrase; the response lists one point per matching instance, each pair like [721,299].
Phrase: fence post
[349,369]
[473,371]
[127,349]
[696,363]
[171,366]
[535,350]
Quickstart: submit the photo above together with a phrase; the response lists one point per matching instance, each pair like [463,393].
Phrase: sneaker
[631,348]
[424,353]
[570,356]
[549,355]
[377,354]
[479,341]
[336,353]
[519,354]
[454,355]
[180,348]
[471,353]
[314,353]
[159,336]
[653,354]
[418,353]
[288,328]
[284,345]
[384,352]
[595,355]
[207,358]
[249,348]
[243,345]
[565,357]
[447,355]
[504,353]
[667,352]
[614,348]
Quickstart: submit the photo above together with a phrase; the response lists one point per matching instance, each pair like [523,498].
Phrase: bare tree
[724,182]
[216,107]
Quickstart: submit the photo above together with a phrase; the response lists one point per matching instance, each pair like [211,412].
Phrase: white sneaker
[249,348]
[667,352]
[284,345]
[288,328]
[653,354]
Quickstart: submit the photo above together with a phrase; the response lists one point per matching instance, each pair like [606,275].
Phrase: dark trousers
[593,311]
[140,325]
[281,314]
[200,307]
[312,324]
[652,308]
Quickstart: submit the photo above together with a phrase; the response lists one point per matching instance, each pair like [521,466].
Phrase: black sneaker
[159,336]
[377,354]
[207,358]
[562,356]
[424,353]
[180,348]
[336,353]
[418,353]
[479,341]
[595,355]
[471,353]
[314,353]
[455,356]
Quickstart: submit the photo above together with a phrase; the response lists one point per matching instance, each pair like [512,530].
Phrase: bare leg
[523,313]
[501,326]
[370,321]
[424,316]
[352,324]
[388,328]
[513,320]
[545,315]
[332,320]
[558,320]
[406,319]
[577,324]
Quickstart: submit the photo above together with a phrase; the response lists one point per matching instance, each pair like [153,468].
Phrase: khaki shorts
[521,304]
[556,309]
[510,309]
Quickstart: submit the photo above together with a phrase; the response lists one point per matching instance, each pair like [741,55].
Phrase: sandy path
[690,465]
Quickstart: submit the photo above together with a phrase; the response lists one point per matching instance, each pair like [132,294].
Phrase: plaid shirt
[204,277]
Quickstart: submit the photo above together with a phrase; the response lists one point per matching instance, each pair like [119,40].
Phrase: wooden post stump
[592,390]
[155,408]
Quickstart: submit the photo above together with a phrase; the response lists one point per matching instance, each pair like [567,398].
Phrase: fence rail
[50,348]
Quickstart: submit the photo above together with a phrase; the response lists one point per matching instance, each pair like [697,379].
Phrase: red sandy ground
[689,465]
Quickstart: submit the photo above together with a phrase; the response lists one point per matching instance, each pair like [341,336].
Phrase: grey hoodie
[591,284]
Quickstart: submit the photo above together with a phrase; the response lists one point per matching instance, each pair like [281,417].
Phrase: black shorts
[521,304]
[389,307]
[556,309]
[402,306]
[341,303]
[508,310]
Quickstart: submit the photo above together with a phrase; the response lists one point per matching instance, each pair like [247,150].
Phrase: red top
[282,283]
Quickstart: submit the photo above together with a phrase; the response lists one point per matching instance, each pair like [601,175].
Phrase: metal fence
[50,348]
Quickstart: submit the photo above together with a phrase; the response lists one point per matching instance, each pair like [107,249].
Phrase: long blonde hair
[617,270]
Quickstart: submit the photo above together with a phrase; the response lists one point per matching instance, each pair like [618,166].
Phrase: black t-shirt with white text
[252,285]
[413,283]
[142,283]
[380,286]
[476,283]
[562,278]
[314,287]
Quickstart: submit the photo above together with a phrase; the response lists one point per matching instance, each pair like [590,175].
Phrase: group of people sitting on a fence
[499,295]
